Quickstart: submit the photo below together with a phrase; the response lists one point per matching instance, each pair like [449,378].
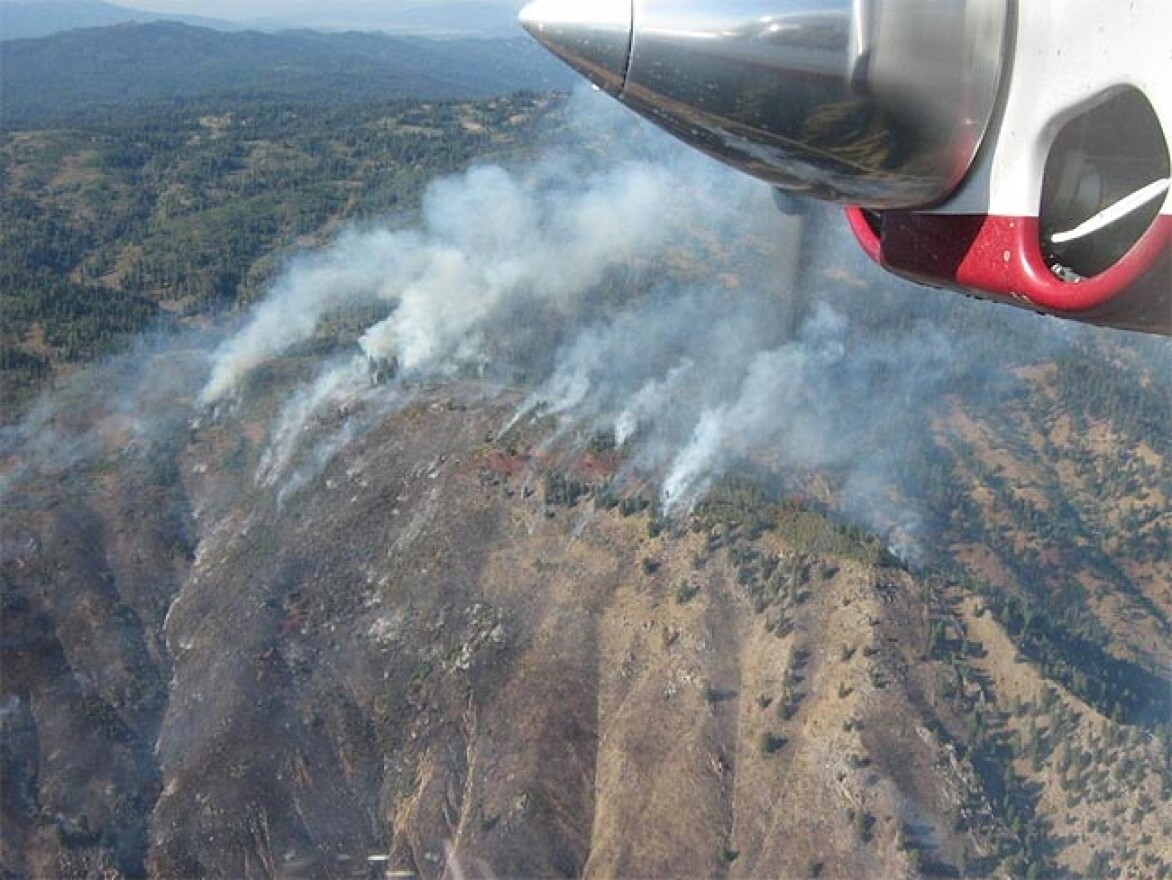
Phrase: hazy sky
[250,9]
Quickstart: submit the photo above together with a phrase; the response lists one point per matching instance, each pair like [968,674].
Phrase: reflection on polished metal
[592,36]
[879,103]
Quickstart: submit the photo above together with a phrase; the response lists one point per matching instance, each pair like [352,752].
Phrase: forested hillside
[69,75]
[137,217]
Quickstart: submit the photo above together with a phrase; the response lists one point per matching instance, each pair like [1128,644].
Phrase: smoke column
[643,290]
[490,242]
[625,284]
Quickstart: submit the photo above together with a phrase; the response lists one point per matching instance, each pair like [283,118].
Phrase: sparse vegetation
[562,491]
[771,743]
[864,824]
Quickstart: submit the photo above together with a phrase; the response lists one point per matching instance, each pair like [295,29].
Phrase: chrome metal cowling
[878,103]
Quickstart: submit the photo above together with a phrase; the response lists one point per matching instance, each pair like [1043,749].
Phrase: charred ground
[458,647]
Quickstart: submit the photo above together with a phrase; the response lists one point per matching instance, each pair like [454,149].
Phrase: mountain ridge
[20,19]
[132,64]
[39,18]
[462,648]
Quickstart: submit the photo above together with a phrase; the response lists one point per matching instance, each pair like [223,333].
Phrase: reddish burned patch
[596,466]
[506,463]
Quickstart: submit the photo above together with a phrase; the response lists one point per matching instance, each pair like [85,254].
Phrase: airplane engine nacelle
[1018,151]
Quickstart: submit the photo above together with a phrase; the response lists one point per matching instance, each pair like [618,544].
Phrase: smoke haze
[636,288]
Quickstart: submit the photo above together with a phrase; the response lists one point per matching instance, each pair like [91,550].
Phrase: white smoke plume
[490,242]
[337,387]
[631,286]
[645,291]
[502,270]
[352,271]
[771,406]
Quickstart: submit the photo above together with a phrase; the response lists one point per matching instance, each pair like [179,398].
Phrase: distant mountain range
[129,64]
[40,18]
[463,18]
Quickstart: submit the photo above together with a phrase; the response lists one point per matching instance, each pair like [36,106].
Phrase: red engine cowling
[1016,151]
